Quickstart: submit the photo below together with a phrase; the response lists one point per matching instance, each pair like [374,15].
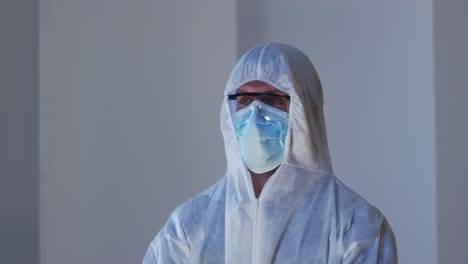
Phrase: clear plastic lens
[273,100]
[277,102]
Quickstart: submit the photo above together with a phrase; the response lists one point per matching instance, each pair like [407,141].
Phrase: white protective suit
[304,214]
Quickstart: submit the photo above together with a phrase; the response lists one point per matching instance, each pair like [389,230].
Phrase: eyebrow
[274,92]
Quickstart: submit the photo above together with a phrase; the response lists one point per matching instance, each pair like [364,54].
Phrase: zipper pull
[257,202]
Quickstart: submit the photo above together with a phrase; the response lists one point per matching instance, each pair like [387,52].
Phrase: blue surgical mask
[261,131]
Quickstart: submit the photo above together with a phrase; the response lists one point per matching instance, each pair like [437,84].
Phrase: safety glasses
[242,100]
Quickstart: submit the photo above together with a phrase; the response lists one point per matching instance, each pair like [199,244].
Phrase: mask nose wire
[267,118]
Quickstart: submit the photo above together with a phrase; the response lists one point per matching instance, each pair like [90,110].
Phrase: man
[279,201]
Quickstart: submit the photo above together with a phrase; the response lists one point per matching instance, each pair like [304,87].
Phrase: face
[280,103]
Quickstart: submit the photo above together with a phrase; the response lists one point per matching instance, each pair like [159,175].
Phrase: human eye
[273,100]
[243,101]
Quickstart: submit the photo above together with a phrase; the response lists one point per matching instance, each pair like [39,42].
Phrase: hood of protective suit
[290,71]
[304,214]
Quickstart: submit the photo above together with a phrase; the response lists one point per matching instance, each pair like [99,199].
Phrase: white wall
[375,60]
[130,93]
[451,68]
[18,132]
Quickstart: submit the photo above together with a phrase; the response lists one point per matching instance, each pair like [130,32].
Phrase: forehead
[258,87]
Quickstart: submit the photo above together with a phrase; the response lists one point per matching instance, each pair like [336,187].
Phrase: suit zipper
[254,231]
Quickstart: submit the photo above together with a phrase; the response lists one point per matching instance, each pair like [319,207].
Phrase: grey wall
[18,132]
[130,95]
[375,60]
[451,68]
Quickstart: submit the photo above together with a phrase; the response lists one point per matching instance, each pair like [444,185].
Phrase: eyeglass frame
[234,96]
[260,94]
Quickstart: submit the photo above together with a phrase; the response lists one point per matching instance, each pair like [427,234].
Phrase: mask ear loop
[288,140]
